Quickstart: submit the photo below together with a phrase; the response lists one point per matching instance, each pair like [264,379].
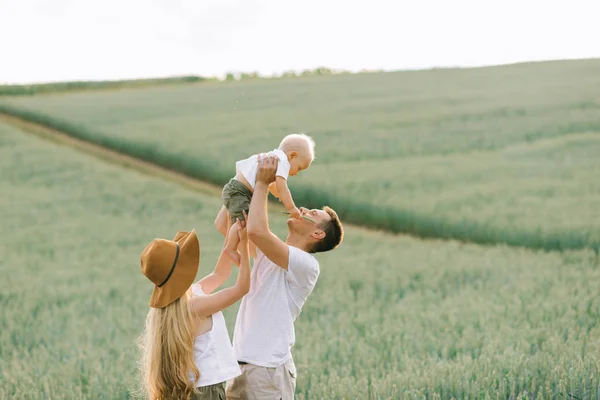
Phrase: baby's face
[299,162]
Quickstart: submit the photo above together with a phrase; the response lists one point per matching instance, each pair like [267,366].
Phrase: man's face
[305,226]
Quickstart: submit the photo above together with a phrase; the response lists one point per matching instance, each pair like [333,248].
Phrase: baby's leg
[232,244]
[222,221]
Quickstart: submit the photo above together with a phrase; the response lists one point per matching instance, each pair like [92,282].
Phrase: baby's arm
[286,197]
[273,189]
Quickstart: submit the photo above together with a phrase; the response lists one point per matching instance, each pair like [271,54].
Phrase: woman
[186,352]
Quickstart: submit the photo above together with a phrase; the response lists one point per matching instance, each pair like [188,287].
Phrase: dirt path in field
[129,162]
[109,155]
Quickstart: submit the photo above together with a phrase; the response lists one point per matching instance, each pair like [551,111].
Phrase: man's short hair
[334,233]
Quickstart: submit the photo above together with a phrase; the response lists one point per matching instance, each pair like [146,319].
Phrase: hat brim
[184,273]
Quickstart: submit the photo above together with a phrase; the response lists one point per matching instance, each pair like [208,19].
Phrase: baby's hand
[294,213]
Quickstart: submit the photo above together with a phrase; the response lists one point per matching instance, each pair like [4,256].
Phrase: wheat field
[490,155]
[391,317]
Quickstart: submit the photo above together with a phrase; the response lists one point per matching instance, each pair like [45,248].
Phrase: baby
[295,153]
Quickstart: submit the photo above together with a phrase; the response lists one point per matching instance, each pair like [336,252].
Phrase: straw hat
[172,266]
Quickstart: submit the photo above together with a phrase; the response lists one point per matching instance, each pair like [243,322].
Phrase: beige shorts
[262,383]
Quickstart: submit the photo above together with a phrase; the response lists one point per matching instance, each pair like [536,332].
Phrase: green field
[391,316]
[493,155]
[58,87]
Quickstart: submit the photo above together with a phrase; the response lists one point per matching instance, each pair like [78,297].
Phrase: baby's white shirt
[249,166]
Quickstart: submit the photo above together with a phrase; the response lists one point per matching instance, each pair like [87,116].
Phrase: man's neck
[296,241]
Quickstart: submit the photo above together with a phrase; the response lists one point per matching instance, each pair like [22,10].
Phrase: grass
[490,155]
[391,316]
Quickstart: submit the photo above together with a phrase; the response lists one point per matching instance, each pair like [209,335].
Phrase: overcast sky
[58,40]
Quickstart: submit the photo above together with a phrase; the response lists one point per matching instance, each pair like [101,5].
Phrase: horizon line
[298,72]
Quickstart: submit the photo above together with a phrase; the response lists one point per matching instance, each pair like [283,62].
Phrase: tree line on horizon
[40,88]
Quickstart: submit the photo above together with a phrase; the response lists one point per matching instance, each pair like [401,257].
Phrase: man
[283,276]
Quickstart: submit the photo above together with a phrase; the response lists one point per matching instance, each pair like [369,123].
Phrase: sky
[61,40]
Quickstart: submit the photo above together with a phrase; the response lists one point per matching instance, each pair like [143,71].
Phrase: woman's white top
[213,352]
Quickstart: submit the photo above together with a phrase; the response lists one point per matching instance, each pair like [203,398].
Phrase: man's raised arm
[258,224]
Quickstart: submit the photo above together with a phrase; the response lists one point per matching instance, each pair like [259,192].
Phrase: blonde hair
[167,363]
[298,142]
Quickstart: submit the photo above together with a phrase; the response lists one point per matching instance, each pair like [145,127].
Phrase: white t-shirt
[249,166]
[264,328]
[213,353]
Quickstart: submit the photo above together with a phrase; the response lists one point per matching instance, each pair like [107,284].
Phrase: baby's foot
[234,255]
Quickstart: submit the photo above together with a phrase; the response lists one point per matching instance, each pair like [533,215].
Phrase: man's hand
[267,166]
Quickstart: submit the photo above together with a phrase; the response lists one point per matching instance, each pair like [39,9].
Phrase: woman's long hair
[167,366]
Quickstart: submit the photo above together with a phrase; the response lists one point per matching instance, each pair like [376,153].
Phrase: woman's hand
[242,231]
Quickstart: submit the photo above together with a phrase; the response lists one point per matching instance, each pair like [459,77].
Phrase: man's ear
[318,234]
[293,154]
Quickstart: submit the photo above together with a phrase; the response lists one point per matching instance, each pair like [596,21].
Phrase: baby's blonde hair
[298,142]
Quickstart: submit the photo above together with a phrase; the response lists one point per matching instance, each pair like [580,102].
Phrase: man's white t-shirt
[249,166]
[264,328]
